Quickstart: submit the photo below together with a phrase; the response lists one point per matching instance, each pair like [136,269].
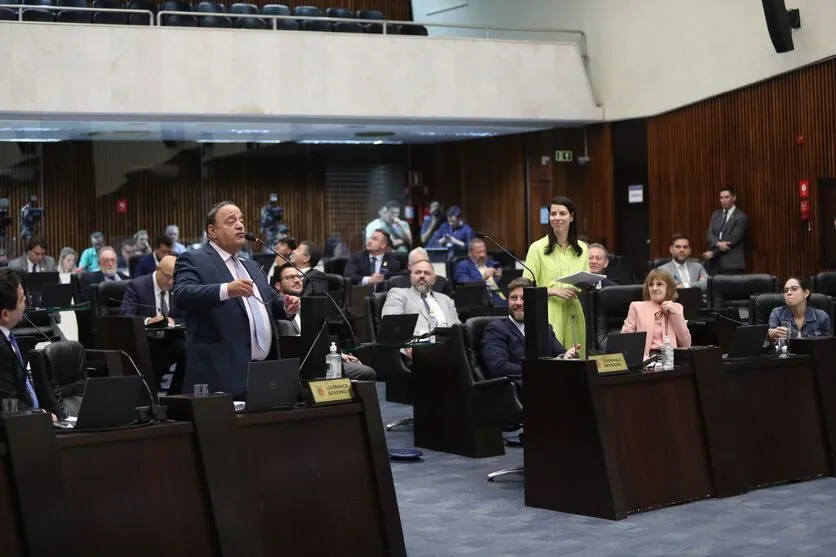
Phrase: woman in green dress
[558,255]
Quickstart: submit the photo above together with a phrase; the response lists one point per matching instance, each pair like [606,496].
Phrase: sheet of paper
[582,278]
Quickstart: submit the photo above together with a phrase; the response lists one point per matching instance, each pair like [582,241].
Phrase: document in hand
[582,278]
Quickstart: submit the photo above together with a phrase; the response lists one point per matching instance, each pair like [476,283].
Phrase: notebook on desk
[108,402]
[629,344]
[691,300]
[396,330]
[35,282]
[747,342]
[471,295]
[272,384]
[56,296]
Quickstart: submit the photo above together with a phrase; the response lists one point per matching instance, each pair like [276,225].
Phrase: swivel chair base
[506,471]
[408,421]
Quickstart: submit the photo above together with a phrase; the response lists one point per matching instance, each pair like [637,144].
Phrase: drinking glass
[10,405]
[201,390]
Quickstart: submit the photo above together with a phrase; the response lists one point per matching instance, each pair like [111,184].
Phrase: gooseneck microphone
[253,238]
[484,236]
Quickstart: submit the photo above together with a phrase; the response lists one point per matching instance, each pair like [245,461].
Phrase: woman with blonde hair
[658,315]
[67,264]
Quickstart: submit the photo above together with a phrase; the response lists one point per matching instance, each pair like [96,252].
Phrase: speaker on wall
[780,21]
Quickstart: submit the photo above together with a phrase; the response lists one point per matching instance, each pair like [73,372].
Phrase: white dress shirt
[33,267]
[256,352]
[520,326]
[682,270]
[157,291]
[726,219]
[378,262]
[435,309]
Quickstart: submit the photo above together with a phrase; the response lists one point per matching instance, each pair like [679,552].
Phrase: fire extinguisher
[804,194]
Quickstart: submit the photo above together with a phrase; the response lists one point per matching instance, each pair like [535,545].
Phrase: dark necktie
[373,261]
[29,389]
[34,267]
[163,304]
[426,305]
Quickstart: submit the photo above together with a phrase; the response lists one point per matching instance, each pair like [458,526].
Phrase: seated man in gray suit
[686,272]
[35,260]
[421,299]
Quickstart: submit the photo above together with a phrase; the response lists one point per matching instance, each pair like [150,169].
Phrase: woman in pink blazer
[658,314]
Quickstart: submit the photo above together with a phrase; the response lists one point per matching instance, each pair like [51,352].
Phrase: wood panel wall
[747,139]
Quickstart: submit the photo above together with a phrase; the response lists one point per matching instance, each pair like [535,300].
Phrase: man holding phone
[455,233]
[478,267]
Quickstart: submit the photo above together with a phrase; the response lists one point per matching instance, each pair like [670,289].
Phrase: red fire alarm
[803,189]
[799,139]
[121,205]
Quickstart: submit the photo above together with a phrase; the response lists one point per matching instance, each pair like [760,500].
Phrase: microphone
[252,238]
[316,339]
[484,236]
[40,332]
[721,316]
[650,360]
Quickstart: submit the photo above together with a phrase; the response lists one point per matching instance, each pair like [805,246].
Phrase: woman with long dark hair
[557,255]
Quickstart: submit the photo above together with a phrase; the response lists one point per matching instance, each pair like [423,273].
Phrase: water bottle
[333,363]
[433,323]
[667,354]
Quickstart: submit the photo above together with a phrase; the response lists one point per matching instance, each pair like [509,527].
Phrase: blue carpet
[447,508]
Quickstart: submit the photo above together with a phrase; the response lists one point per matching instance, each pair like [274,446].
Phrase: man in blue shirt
[452,234]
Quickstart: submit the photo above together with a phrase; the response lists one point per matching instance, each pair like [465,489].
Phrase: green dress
[565,316]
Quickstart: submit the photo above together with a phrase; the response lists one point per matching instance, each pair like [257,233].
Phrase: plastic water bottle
[333,363]
[433,323]
[667,354]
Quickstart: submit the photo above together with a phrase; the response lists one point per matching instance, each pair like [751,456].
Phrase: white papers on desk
[582,278]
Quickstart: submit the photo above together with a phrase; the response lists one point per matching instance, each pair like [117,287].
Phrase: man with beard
[421,299]
[503,341]
[686,272]
[291,282]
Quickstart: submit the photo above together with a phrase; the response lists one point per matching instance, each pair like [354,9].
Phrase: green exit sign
[563,156]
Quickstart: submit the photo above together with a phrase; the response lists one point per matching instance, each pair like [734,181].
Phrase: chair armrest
[492,383]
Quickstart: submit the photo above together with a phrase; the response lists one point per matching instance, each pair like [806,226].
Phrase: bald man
[150,296]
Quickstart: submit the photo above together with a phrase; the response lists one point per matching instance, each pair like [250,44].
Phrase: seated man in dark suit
[290,282]
[15,381]
[107,272]
[599,260]
[374,264]
[401,278]
[147,264]
[150,296]
[503,341]
[306,256]
[479,268]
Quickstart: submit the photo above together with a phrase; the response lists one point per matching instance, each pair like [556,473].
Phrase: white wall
[179,71]
[651,56]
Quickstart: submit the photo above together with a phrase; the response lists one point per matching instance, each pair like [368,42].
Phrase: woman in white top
[67,264]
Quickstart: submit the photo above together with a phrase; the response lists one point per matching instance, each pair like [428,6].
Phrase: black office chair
[401,280]
[316,25]
[734,290]
[247,22]
[7,14]
[338,287]
[109,18]
[140,19]
[107,297]
[375,28]
[344,13]
[761,306]
[335,265]
[38,15]
[275,9]
[657,262]
[281,24]
[451,267]
[308,11]
[212,21]
[177,20]
[59,373]
[824,283]
[414,30]
[610,307]
[496,401]
[71,16]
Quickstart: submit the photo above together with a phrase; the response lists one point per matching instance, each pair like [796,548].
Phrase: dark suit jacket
[316,283]
[145,266]
[140,300]
[401,280]
[359,265]
[218,333]
[604,283]
[503,348]
[89,280]
[734,232]
[12,375]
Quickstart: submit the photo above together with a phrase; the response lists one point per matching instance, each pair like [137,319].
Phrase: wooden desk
[763,418]
[607,446]
[822,351]
[300,482]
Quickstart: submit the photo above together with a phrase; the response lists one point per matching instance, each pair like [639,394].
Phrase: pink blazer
[641,317]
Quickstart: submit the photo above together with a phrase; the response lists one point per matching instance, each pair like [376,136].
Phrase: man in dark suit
[726,237]
[150,296]
[503,341]
[107,272]
[599,260]
[15,381]
[401,278]
[374,264]
[147,264]
[229,306]
[306,256]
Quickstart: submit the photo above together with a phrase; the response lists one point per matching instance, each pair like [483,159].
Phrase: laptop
[35,282]
[396,329]
[109,402]
[56,296]
[438,255]
[471,295]
[629,344]
[691,300]
[272,384]
[747,341]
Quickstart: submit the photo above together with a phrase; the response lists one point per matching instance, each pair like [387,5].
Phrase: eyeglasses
[789,289]
[293,277]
